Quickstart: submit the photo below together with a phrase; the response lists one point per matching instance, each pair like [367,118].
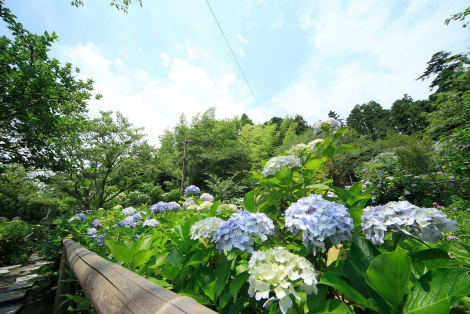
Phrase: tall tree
[245,120]
[334,115]
[369,119]
[407,116]
[302,125]
[105,159]
[39,98]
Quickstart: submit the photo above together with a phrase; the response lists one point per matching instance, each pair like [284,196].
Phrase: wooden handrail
[114,289]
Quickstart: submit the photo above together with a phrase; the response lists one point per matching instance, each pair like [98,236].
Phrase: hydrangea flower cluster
[161,207]
[128,211]
[137,216]
[205,205]
[296,150]
[188,203]
[151,223]
[82,217]
[334,125]
[280,269]
[319,219]
[192,189]
[426,223]
[225,207]
[128,222]
[313,143]
[96,224]
[92,231]
[205,228]
[206,197]
[192,207]
[277,163]
[239,229]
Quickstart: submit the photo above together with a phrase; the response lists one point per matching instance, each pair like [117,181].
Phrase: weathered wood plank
[115,289]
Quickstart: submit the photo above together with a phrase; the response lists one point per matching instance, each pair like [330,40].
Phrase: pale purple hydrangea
[318,220]
[162,207]
[335,125]
[82,217]
[151,223]
[239,229]
[192,189]
[91,231]
[137,216]
[96,224]
[407,193]
[414,185]
[427,223]
[128,222]
[128,211]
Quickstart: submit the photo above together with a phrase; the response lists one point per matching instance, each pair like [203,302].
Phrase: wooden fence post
[62,287]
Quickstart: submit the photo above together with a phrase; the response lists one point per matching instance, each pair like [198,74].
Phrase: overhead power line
[233,54]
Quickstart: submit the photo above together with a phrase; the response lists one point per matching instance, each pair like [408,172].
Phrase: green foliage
[369,120]
[172,196]
[41,100]
[224,189]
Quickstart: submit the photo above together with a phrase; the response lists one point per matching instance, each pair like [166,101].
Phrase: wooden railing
[114,289]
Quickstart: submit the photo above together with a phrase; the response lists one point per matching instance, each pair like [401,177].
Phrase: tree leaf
[174,258]
[346,148]
[315,301]
[362,252]
[210,290]
[170,272]
[318,186]
[120,251]
[237,283]
[329,151]
[429,254]
[389,274]
[284,176]
[437,291]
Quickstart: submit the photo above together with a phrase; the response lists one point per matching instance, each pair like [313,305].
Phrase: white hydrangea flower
[192,207]
[296,150]
[277,163]
[151,223]
[313,143]
[128,211]
[207,197]
[319,219]
[280,269]
[188,202]
[225,207]
[334,125]
[426,223]
[205,228]
[205,205]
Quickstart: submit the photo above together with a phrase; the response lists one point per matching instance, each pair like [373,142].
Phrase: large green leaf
[141,257]
[213,209]
[222,272]
[284,176]
[170,272]
[362,252]
[237,283]
[329,151]
[200,299]
[437,290]
[340,132]
[318,187]
[174,258]
[346,148]
[316,301]
[339,284]
[356,214]
[429,254]
[333,306]
[249,202]
[210,290]
[120,251]
[389,274]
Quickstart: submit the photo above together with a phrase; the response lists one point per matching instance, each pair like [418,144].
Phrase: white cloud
[156,103]
[242,39]
[242,53]
[367,50]
[279,21]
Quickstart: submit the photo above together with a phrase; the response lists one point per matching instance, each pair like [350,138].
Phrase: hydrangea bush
[295,244]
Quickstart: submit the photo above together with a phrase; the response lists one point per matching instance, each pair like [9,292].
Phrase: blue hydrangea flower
[151,223]
[318,220]
[128,211]
[82,217]
[134,237]
[92,231]
[238,231]
[99,243]
[128,222]
[137,217]
[161,207]
[98,236]
[191,189]
[96,224]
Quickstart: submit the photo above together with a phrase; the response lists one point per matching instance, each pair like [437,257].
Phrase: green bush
[16,240]
[172,196]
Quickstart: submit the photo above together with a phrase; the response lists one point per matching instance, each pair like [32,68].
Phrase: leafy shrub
[16,240]
[172,196]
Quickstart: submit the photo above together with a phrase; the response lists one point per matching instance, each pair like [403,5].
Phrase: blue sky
[300,57]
